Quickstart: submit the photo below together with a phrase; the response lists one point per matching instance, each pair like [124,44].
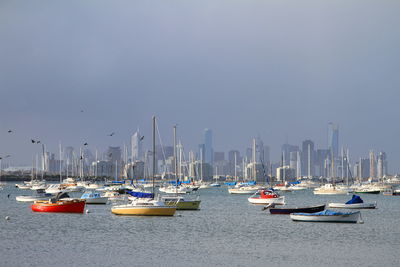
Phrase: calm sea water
[227,231]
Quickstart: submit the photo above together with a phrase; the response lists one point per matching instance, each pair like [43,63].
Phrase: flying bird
[9,131]
[141,138]
[33,141]
[81,110]
[85,144]
[109,155]
[37,142]
[111,134]
[81,157]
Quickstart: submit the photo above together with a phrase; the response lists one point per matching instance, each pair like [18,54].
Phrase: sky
[281,70]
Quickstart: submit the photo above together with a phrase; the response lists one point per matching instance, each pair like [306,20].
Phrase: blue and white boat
[354,203]
[94,198]
[327,216]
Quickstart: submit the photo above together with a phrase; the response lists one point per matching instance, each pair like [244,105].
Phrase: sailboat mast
[235,167]
[154,151]
[60,165]
[254,158]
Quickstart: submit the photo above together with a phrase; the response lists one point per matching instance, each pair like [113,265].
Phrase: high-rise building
[208,147]
[136,146]
[286,150]
[372,165]
[333,139]
[293,162]
[381,165]
[219,156]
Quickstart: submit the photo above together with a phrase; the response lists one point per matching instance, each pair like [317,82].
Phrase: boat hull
[345,218]
[30,198]
[294,210]
[97,201]
[243,191]
[375,192]
[143,211]
[184,205]
[353,206]
[75,206]
[277,200]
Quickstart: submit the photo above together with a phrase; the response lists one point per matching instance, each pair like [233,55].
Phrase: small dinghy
[311,209]
[354,203]
[327,216]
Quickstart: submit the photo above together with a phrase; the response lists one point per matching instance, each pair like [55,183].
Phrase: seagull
[110,155]
[141,138]
[9,131]
[37,142]
[111,134]
[85,144]
[81,110]
[33,141]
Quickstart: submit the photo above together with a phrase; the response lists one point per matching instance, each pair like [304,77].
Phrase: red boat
[69,206]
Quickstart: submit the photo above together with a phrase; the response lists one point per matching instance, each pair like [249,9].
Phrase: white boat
[23,186]
[354,203]
[175,189]
[267,197]
[54,189]
[330,189]
[327,216]
[94,198]
[244,190]
[33,198]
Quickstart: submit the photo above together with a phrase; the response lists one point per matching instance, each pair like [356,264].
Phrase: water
[226,231]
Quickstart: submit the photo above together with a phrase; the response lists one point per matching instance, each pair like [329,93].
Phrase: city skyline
[74,83]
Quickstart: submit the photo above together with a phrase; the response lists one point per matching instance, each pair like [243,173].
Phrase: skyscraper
[208,148]
[333,139]
[136,146]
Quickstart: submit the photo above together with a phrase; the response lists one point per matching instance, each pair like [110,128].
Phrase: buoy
[87,211]
[7,218]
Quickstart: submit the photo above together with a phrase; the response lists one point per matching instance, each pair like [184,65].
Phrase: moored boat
[182,203]
[267,197]
[354,203]
[327,216]
[311,209]
[94,198]
[68,206]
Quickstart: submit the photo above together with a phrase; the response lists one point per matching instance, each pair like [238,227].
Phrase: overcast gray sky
[242,68]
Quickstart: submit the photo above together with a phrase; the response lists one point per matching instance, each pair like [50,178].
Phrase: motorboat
[54,189]
[215,185]
[94,198]
[267,197]
[244,190]
[59,204]
[285,210]
[32,198]
[354,203]
[327,216]
[330,189]
[175,189]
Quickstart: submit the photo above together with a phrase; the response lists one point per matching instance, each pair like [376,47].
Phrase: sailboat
[146,206]
[181,202]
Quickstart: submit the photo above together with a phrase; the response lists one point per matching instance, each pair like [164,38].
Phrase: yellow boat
[181,203]
[144,207]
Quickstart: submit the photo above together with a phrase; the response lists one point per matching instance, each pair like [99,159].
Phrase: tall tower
[372,173]
[208,148]
[333,139]
[136,146]
[307,158]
